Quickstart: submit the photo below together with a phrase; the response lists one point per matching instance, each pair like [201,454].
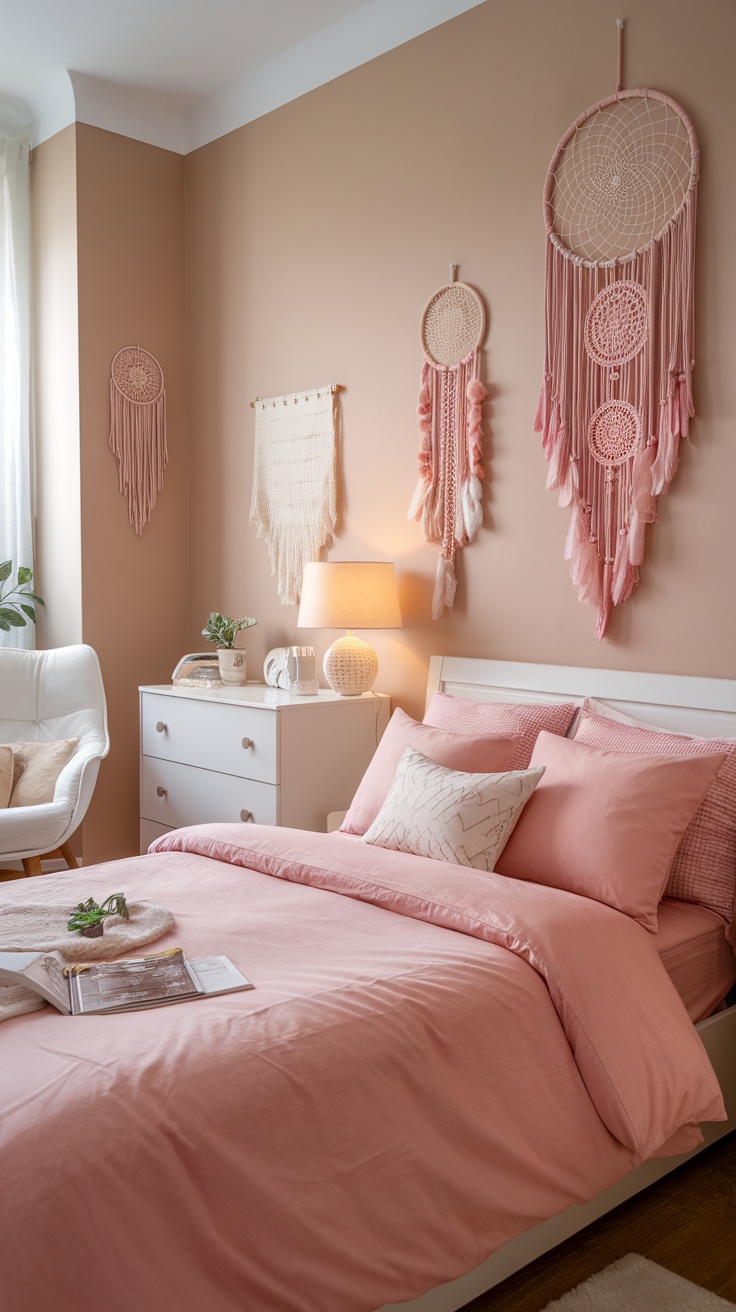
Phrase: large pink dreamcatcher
[619,209]
[138,430]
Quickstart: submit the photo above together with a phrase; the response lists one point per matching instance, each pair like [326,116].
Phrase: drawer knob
[160,726]
[246,815]
[247,742]
[160,791]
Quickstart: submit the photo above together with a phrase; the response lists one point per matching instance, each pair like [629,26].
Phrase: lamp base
[350,666]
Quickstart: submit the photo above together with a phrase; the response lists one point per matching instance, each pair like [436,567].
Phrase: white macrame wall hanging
[138,430]
[619,207]
[294,500]
[448,495]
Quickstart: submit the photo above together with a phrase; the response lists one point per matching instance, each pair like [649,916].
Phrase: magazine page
[41,971]
[149,981]
[218,975]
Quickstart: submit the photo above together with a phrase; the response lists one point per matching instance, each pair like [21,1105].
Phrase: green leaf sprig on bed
[88,917]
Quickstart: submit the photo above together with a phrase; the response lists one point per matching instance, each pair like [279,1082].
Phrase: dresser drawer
[149,831]
[211,735]
[175,795]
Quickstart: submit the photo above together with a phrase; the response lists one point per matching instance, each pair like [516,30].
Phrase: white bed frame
[679,703]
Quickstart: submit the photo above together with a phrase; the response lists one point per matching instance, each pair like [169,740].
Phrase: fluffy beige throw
[34,927]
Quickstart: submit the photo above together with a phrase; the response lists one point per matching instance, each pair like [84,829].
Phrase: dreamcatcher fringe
[448,498]
[138,441]
[612,504]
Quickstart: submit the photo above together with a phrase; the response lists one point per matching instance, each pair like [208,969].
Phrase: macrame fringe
[138,442]
[605,544]
[445,587]
[294,497]
[448,497]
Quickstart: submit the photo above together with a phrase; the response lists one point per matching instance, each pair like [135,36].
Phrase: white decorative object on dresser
[252,753]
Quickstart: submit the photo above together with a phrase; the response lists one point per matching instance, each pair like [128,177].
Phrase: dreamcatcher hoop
[138,429]
[137,375]
[448,495]
[453,325]
[634,159]
[619,206]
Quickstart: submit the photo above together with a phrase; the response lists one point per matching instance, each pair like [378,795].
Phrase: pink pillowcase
[704,868]
[460,715]
[488,755]
[606,824]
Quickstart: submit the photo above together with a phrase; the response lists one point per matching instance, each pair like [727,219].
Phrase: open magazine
[98,987]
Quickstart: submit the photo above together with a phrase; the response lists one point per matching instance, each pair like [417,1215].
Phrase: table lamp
[349,595]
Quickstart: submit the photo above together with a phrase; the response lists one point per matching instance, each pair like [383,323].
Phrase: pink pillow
[606,824]
[460,715]
[454,750]
[704,868]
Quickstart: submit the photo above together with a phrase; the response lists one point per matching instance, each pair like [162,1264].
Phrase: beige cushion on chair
[6,775]
[40,766]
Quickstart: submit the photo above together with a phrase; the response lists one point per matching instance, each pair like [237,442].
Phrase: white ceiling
[194,68]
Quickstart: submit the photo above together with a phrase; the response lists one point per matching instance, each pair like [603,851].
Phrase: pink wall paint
[315,236]
[109,244]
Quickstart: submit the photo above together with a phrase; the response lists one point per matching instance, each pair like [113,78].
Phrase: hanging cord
[620,24]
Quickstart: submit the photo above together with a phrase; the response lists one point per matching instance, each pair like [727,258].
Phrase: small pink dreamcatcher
[138,430]
[448,495]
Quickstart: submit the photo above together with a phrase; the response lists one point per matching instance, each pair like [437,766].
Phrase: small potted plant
[223,631]
[17,604]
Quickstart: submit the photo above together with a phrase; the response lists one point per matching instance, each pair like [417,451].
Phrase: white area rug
[634,1284]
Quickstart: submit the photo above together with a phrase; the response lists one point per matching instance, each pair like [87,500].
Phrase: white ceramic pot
[232,666]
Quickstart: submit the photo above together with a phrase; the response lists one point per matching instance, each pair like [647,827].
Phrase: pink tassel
[645,503]
[476,395]
[424,410]
[540,422]
[625,575]
[585,570]
[444,588]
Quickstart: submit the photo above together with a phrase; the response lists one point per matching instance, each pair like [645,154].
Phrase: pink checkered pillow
[460,715]
[704,868]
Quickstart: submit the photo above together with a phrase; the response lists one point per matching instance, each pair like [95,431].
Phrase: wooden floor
[686,1222]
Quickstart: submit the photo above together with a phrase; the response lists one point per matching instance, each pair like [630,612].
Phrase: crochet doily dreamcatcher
[619,209]
[138,430]
[448,495]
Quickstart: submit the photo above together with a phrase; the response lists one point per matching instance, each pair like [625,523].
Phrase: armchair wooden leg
[32,864]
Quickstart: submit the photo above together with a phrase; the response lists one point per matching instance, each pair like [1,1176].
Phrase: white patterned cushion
[451,815]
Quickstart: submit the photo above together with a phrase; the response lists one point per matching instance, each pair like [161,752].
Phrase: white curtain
[16,536]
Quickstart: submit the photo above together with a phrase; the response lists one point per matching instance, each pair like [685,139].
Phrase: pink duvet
[398,1096]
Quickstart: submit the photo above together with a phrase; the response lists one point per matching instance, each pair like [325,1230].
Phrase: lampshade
[353,594]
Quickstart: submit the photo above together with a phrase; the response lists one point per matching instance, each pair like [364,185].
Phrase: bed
[423,1092]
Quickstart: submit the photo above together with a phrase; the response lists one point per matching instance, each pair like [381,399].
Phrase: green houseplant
[17,604]
[222,630]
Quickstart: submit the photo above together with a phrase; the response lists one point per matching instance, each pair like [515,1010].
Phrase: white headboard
[680,703]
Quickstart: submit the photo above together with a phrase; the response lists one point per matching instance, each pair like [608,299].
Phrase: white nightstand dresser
[252,753]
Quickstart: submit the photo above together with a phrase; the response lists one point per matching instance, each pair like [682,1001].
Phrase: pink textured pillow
[606,824]
[704,868]
[460,715]
[456,751]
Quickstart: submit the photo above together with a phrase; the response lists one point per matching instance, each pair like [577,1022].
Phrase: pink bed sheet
[398,1096]
[694,951]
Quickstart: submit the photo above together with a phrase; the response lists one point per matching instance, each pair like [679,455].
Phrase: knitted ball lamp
[349,595]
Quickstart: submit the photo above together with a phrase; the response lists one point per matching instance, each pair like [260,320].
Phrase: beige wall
[109,246]
[131,289]
[316,235]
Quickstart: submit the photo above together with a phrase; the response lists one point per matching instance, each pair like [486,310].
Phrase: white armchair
[47,695]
